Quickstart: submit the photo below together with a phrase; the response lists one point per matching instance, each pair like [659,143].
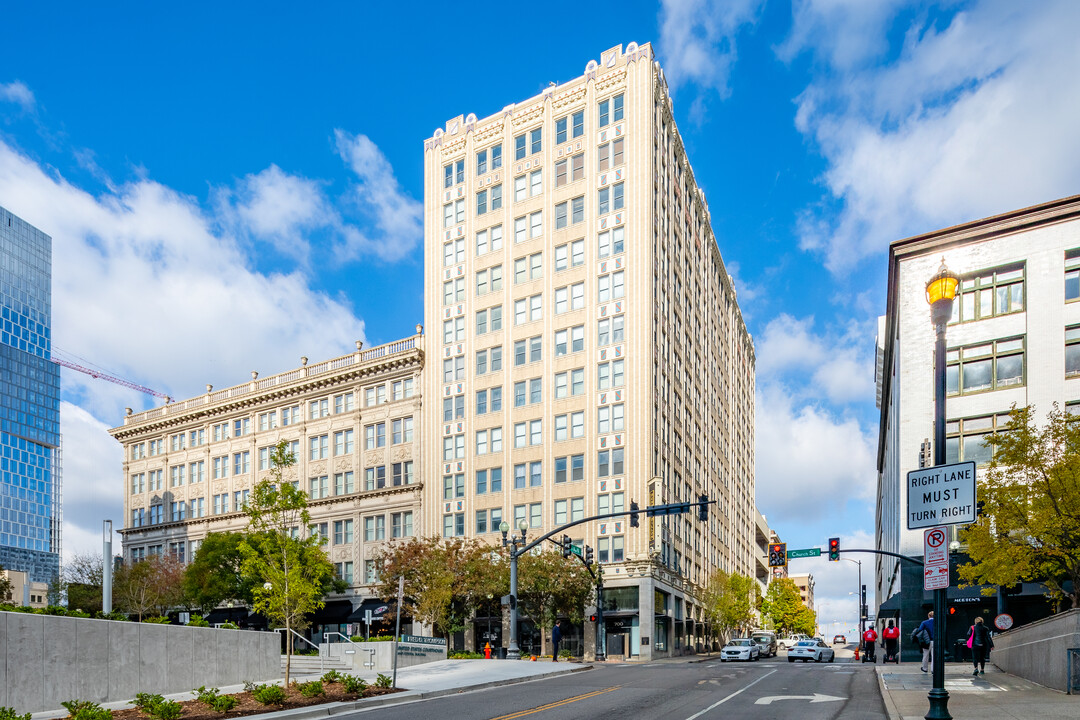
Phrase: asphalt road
[674,691]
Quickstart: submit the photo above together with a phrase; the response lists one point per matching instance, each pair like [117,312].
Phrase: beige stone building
[24,591]
[805,584]
[586,346]
[353,425]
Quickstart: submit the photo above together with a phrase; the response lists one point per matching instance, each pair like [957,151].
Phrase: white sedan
[740,649]
[807,650]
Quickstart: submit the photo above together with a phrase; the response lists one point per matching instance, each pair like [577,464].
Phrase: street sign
[942,495]
[936,558]
[808,552]
[1003,621]
[576,549]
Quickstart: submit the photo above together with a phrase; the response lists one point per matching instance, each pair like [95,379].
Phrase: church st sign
[942,495]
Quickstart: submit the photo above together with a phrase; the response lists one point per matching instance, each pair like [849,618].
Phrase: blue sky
[230,186]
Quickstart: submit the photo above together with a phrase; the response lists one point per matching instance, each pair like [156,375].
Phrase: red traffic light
[592,618]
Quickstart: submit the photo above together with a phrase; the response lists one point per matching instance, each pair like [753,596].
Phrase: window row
[567,468]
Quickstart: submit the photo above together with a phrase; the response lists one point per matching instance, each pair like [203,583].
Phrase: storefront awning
[335,611]
[380,610]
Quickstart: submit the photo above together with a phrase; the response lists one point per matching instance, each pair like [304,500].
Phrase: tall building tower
[29,404]
[585,346]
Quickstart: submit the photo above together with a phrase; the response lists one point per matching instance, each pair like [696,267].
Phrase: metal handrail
[319,649]
[326,641]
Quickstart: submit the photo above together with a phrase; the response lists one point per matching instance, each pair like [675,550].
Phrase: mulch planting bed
[248,705]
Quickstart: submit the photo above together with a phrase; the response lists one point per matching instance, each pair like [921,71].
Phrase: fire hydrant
[487,651]
[856,652]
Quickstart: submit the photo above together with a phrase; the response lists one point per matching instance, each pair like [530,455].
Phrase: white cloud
[398,219]
[810,462]
[969,119]
[697,40]
[837,366]
[844,32]
[17,92]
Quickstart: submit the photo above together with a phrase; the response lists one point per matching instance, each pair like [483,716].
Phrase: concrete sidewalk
[993,696]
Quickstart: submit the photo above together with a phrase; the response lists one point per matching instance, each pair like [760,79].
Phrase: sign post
[397,623]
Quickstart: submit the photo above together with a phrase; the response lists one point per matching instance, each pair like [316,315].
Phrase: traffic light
[592,618]
[588,555]
[633,514]
[980,508]
[566,543]
[703,508]
[834,549]
[778,555]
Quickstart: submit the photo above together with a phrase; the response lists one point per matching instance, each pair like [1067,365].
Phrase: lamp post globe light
[513,652]
[940,293]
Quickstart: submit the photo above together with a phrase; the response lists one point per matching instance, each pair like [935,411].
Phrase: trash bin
[960,650]
[500,653]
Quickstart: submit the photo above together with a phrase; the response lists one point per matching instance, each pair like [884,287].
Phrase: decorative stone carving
[318,468]
[343,464]
[610,80]
[528,116]
[569,97]
[373,458]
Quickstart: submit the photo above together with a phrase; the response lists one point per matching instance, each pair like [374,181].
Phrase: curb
[886,697]
[330,709]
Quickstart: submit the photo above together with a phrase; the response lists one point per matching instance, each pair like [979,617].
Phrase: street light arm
[884,552]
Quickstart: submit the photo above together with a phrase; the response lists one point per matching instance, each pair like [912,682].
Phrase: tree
[5,585]
[729,602]
[445,579]
[215,574]
[550,586]
[154,585]
[54,594]
[784,606]
[289,572]
[1029,528]
[83,577]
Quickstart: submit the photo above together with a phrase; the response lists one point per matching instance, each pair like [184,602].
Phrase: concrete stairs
[314,665]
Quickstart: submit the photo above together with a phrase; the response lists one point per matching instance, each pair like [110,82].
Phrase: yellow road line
[556,704]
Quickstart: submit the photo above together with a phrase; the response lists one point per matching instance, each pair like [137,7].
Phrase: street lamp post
[940,293]
[858,601]
[513,652]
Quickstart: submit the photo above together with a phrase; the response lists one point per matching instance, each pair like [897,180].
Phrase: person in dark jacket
[556,636]
[926,645]
[981,642]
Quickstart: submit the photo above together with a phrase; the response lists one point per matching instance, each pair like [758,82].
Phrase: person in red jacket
[869,642]
[891,633]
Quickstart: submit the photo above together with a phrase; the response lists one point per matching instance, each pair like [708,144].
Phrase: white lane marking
[815,698]
[718,703]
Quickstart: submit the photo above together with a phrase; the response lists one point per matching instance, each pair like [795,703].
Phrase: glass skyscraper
[29,404]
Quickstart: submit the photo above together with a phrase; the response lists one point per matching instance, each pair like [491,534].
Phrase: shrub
[114,615]
[205,695]
[225,703]
[229,626]
[332,676]
[160,620]
[565,654]
[305,653]
[86,710]
[310,689]
[7,713]
[167,710]
[249,686]
[269,694]
[146,702]
[197,621]
[373,638]
[465,656]
[352,683]
[383,681]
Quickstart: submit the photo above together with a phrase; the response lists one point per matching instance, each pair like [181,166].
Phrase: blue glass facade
[29,403]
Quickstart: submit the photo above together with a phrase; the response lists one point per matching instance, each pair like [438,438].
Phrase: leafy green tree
[1030,525]
[729,602]
[5,585]
[445,579]
[215,574]
[784,606]
[288,566]
[82,578]
[54,594]
[551,586]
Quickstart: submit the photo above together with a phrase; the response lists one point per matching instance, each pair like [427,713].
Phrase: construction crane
[111,378]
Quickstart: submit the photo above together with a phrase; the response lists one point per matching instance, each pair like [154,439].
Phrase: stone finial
[303,361]
[254,374]
[359,345]
[127,411]
[419,329]
[209,387]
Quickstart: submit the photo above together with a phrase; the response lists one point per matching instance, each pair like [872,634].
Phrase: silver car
[807,650]
[740,649]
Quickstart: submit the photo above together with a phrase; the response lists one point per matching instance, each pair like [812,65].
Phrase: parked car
[839,640]
[807,650]
[766,641]
[791,640]
[740,649]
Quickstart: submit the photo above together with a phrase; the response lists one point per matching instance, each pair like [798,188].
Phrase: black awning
[380,610]
[335,611]
[227,614]
[892,605]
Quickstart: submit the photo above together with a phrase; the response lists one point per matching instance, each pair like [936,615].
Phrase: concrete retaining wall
[47,660]
[1038,651]
[381,654]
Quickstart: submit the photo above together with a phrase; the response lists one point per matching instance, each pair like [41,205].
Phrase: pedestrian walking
[924,636]
[556,636]
[891,633]
[980,642]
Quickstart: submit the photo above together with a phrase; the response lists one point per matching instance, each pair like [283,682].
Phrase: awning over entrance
[335,611]
[380,610]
